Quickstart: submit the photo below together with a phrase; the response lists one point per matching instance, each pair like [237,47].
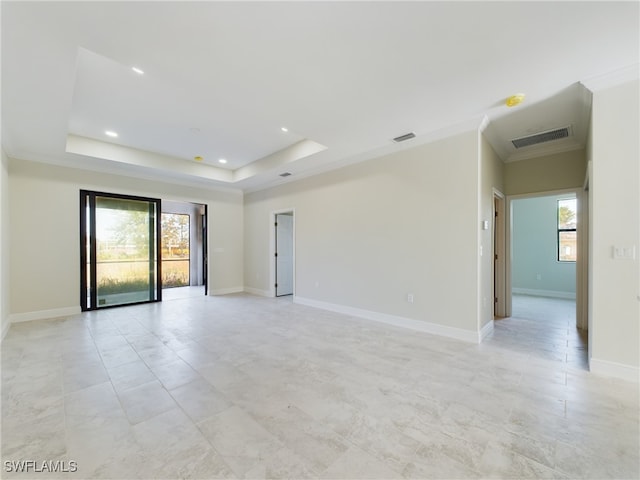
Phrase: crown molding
[612,79]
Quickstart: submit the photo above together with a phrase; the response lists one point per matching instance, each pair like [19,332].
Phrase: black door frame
[205,257]
[88,198]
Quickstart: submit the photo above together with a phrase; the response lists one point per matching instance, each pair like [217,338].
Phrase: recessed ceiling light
[137,70]
[284,129]
[198,158]
[111,133]
[222,160]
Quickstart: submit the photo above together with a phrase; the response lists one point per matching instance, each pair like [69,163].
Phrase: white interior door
[284,254]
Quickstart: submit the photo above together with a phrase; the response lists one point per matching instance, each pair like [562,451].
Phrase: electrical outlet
[628,253]
[410,297]
[538,276]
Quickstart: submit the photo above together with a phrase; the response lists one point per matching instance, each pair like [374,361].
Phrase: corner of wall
[4,244]
[5,329]
[490,180]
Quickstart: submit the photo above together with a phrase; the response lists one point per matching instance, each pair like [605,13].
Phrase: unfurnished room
[332,240]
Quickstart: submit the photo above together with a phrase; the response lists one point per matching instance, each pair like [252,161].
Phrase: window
[567,235]
[175,250]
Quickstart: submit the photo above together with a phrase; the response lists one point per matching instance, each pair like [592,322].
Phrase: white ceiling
[222,78]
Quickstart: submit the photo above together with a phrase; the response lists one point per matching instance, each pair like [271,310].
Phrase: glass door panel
[121,242]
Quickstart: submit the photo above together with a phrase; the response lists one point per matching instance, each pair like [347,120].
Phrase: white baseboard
[257,291]
[615,370]
[396,321]
[44,314]
[544,293]
[486,330]
[226,291]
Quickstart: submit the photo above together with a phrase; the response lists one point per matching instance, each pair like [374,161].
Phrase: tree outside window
[175,250]
[567,233]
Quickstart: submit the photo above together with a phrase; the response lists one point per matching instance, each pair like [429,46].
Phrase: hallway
[544,328]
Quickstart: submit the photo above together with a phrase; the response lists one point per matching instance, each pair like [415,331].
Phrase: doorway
[544,245]
[499,255]
[545,260]
[284,255]
[183,246]
[120,250]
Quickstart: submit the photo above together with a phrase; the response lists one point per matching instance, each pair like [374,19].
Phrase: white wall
[4,245]
[615,221]
[371,233]
[492,177]
[44,224]
[534,237]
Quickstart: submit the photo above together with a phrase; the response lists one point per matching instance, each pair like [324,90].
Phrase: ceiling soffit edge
[141,158]
[120,169]
[544,151]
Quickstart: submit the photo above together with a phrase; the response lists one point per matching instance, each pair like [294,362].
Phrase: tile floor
[544,328]
[248,387]
[182,292]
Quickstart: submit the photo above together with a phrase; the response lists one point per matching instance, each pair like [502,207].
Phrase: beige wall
[545,174]
[369,234]
[44,225]
[491,176]
[615,221]
[4,245]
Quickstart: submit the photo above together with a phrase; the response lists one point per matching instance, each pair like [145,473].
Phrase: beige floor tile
[243,443]
[175,374]
[130,375]
[357,464]
[145,401]
[199,399]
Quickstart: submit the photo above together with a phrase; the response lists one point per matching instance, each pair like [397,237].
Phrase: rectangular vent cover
[542,137]
[406,136]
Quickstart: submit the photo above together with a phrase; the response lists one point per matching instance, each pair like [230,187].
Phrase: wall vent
[285,174]
[542,137]
[406,136]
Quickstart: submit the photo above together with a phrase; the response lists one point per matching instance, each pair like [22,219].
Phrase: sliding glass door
[120,261]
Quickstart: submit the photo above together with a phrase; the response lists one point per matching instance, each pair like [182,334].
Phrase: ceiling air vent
[285,174]
[406,136]
[542,137]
